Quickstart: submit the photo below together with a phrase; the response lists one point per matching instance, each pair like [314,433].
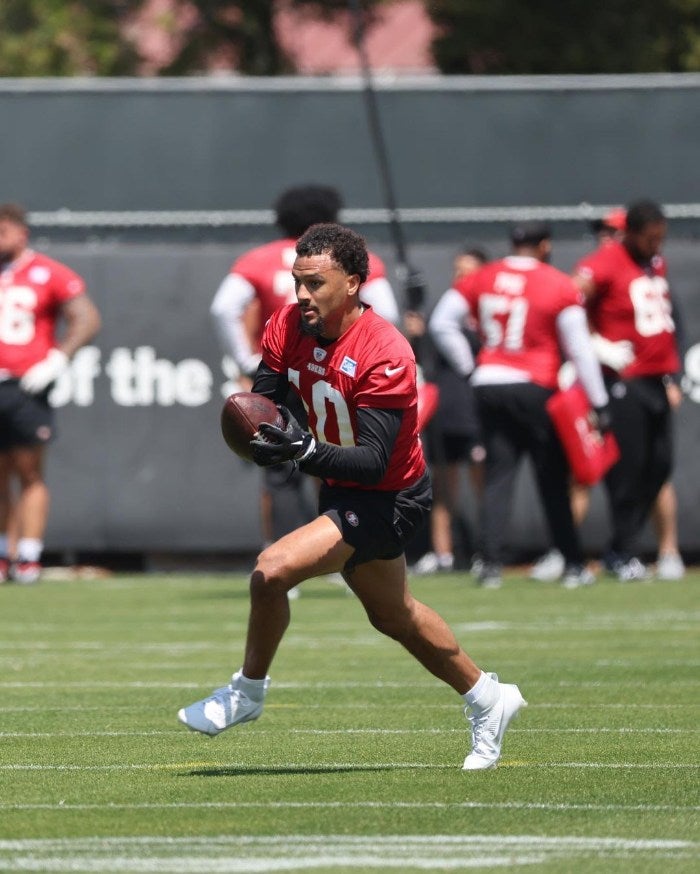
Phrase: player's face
[646,243]
[13,239]
[464,264]
[325,294]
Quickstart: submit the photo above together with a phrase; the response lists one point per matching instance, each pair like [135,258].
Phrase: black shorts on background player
[454,431]
[25,420]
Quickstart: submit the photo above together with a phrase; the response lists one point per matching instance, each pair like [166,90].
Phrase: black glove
[603,418]
[275,445]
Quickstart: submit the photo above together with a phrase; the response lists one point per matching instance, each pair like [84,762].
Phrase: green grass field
[356,763]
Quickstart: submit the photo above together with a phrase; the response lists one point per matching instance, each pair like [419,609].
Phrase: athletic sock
[483,694]
[29,549]
[254,689]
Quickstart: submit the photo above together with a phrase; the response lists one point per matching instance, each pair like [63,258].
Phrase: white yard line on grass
[384,705]
[349,766]
[345,731]
[332,805]
[241,855]
[663,621]
[339,684]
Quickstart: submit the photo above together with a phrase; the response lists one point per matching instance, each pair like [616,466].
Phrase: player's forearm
[227,310]
[234,340]
[365,463]
[356,464]
[575,340]
[82,324]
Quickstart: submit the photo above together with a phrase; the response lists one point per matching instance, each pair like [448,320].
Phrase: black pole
[414,285]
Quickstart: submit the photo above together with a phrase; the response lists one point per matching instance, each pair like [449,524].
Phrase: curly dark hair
[346,248]
[643,213]
[296,209]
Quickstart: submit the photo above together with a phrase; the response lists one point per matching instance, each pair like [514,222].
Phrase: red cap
[616,219]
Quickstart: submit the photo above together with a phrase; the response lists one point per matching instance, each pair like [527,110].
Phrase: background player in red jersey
[36,293]
[630,311]
[356,375]
[616,356]
[260,282]
[452,439]
[526,312]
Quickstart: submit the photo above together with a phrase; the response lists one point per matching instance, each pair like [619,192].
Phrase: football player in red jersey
[356,375]
[452,438]
[630,313]
[36,293]
[526,311]
[260,282]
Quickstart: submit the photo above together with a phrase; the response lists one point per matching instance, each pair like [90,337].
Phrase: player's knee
[272,572]
[395,624]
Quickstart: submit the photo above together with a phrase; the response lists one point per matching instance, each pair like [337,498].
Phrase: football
[242,415]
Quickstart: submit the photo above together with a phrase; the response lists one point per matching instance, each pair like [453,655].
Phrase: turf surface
[355,763]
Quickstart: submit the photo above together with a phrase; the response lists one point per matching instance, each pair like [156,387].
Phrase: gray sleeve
[230,302]
[575,340]
[446,328]
[379,294]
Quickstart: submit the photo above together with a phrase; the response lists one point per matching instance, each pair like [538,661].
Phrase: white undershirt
[236,293]
[446,326]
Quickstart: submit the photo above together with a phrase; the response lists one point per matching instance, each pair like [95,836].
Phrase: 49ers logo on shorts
[352,518]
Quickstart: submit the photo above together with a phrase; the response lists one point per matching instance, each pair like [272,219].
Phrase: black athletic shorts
[453,435]
[25,419]
[377,524]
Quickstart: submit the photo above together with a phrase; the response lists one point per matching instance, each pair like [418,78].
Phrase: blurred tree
[64,38]
[244,31]
[579,36]
[89,37]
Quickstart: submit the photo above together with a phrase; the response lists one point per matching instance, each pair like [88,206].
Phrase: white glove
[44,372]
[615,354]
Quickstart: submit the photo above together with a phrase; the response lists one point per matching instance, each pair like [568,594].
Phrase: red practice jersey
[268,269]
[371,365]
[516,302]
[631,303]
[32,290]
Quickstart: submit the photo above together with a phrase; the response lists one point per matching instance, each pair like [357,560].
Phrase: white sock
[254,689]
[445,559]
[29,549]
[483,694]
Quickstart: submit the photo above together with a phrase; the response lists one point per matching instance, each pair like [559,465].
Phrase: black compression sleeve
[270,383]
[366,462]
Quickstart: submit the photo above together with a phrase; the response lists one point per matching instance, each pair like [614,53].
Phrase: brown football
[242,415]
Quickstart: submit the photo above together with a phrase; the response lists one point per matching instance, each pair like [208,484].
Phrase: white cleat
[223,709]
[631,571]
[26,573]
[670,566]
[548,567]
[576,576]
[489,726]
[431,563]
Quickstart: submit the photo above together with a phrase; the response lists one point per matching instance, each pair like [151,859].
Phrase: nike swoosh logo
[390,371]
